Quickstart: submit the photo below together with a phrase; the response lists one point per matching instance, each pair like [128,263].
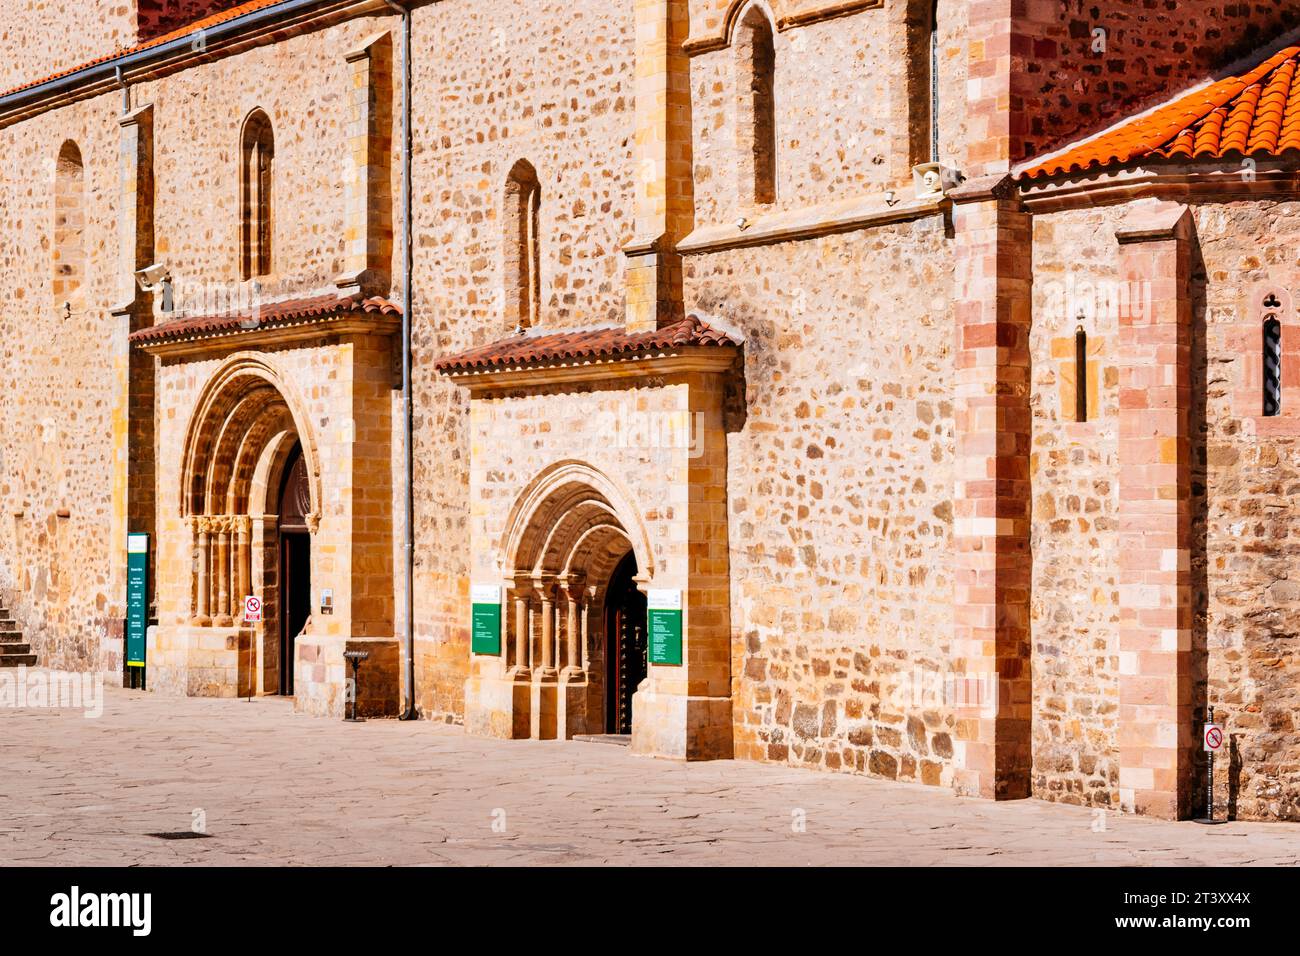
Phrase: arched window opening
[756,115]
[521,247]
[257,150]
[69,229]
[1272,365]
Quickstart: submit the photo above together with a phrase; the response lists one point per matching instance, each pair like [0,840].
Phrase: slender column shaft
[532,612]
[583,616]
[571,658]
[521,632]
[548,631]
[241,570]
[202,596]
[223,576]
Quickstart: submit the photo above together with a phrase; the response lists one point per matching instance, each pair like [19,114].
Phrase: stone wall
[302,85]
[840,486]
[1074,472]
[42,37]
[56,427]
[558,94]
[1245,471]
[842,112]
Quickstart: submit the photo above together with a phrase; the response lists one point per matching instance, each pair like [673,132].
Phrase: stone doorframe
[231,413]
[568,531]
[243,430]
[574,462]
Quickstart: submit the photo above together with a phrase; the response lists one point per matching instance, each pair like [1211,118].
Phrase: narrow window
[756,113]
[69,230]
[933,80]
[1272,365]
[1080,375]
[257,150]
[921,122]
[522,253]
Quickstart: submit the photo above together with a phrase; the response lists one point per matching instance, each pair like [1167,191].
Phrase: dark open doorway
[295,563]
[625,635]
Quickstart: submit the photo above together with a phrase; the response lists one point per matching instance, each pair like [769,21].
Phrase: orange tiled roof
[1254,113]
[201,24]
[612,341]
[271,315]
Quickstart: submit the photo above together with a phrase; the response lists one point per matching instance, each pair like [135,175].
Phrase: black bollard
[356,657]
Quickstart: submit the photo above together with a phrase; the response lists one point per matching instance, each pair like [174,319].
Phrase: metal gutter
[112,71]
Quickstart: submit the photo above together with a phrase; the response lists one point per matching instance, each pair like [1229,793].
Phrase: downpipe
[408,451]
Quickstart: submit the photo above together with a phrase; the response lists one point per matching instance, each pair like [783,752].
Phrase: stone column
[223,615]
[547,670]
[521,669]
[544,705]
[1156,736]
[664,202]
[573,630]
[991,506]
[203,590]
[242,568]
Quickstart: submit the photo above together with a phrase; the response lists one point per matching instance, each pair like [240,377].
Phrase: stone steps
[14,651]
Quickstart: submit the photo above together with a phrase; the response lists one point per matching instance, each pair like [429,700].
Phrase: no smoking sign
[1213,737]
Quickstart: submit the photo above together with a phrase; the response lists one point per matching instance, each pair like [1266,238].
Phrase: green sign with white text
[137,597]
[485,621]
[664,613]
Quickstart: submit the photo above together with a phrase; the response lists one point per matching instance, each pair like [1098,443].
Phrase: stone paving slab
[281,789]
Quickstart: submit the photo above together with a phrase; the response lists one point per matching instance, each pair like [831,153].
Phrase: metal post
[1209,779]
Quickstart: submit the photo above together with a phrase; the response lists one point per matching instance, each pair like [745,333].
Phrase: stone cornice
[633,369]
[1213,182]
[206,343]
[847,215]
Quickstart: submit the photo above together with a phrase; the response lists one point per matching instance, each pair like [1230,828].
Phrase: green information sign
[664,610]
[137,597]
[485,627]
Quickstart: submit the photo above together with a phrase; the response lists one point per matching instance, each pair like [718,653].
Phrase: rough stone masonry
[935,362]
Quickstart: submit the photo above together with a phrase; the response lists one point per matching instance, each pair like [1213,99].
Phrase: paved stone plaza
[277,788]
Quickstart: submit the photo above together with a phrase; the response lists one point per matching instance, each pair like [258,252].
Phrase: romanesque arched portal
[568,533]
[243,438]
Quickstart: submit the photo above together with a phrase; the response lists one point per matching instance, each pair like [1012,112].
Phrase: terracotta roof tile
[201,24]
[291,312]
[606,342]
[1254,113]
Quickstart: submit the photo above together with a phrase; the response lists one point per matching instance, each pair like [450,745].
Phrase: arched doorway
[294,554]
[625,645]
[574,637]
[250,496]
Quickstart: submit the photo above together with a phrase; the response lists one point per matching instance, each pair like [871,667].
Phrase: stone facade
[970,487]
